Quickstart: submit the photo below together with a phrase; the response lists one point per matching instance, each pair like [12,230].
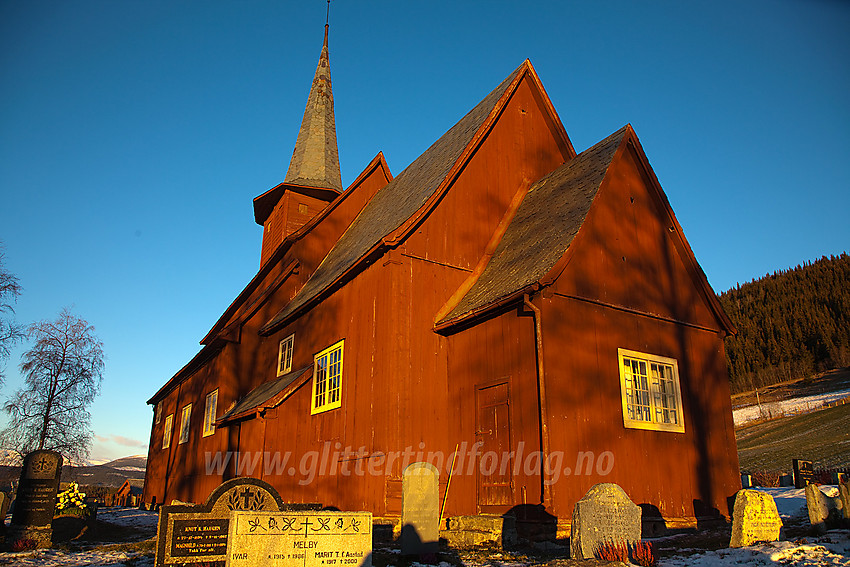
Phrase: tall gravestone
[823,509]
[803,472]
[605,514]
[754,518]
[35,502]
[420,509]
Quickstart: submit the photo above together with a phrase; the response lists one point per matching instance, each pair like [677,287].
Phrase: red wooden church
[502,300]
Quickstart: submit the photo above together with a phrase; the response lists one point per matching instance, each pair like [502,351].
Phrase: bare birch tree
[63,372]
[11,332]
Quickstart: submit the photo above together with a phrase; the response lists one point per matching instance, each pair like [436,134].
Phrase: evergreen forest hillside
[791,324]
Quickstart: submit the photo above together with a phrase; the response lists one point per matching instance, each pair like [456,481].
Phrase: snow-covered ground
[752,413]
[832,549]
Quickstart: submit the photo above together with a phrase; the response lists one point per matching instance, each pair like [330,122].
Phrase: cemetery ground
[124,536]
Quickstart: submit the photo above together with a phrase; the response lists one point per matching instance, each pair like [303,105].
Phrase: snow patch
[751,413]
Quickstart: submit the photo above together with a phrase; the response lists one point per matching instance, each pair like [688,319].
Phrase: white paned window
[209,413]
[284,356]
[650,390]
[327,379]
[184,423]
[166,431]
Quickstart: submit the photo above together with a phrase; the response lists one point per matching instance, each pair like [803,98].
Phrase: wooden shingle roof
[543,227]
[393,205]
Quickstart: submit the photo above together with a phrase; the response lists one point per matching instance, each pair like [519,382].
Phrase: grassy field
[822,437]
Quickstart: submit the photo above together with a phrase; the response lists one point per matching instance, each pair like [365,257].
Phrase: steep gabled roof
[543,227]
[390,211]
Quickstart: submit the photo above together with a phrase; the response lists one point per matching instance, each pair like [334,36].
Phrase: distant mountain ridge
[112,473]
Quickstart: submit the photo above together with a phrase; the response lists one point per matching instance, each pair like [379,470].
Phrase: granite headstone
[188,533]
[35,502]
[300,539]
[803,473]
[822,509]
[605,514]
[420,509]
[844,494]
[754,518]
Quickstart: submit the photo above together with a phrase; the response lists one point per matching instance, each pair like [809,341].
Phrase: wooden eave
[265,203]
[395,237]
[377,162]
[273,401]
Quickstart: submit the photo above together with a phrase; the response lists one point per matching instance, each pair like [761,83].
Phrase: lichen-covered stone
[754,519]
[604,514]
[844,495]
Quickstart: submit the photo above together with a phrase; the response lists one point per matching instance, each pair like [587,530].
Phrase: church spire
[315,160]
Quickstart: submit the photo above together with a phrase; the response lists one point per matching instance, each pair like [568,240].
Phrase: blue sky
[134,136]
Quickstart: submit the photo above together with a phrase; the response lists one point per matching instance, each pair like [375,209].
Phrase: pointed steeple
[315,160]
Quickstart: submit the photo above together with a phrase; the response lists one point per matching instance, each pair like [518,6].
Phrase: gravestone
[746,481]
[844,496]
[803,473]
[754,518]
[189,533]
[605,514]
[300,539]
[823,509]
[420,509]
[35,502]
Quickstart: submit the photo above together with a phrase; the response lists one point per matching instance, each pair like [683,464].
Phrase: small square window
[327,379]
[209,413]
[284,355]
[184,423]
[302,208]
[651,395]
[166,431]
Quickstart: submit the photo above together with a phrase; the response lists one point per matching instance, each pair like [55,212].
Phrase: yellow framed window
[184,424]
[209,413]
[166,431]
[284,356]
[327,379]
[649,386]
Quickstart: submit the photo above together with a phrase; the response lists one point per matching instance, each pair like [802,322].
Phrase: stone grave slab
[804,473]
[754,519]
[604,514]
[300,539]
[35,502]
[844,494]
[420,509]
[188,533]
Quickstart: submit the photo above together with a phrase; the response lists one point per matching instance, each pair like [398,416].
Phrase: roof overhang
[265,203]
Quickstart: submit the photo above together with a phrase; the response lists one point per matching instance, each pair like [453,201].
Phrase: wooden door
[495,463]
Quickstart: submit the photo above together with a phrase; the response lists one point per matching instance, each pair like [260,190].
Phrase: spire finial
[328,15]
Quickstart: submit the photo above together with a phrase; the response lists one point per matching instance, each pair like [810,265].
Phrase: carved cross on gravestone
[246,494]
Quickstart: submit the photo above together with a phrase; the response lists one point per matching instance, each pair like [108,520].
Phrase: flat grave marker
[300,539]
[188,533]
